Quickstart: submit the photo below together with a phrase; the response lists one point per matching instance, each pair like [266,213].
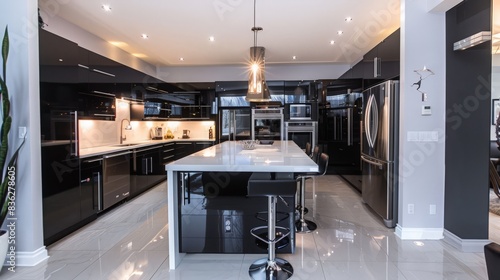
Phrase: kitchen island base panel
[220,222]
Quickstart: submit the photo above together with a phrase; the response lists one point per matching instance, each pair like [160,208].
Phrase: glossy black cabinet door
[90,184]
[146,169]
[60,191]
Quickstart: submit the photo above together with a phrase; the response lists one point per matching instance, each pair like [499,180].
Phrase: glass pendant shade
[257,87]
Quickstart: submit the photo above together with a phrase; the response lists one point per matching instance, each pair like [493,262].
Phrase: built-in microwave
[300,112]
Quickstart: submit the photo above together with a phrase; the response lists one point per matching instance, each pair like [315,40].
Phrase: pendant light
[257,87]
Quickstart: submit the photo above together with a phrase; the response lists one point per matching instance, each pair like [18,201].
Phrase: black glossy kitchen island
[207,192]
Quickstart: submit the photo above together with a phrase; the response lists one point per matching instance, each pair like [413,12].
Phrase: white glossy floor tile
[351,242]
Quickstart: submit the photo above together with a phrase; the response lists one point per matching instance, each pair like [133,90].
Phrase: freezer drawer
[379,188]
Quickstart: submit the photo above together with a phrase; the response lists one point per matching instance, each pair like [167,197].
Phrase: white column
[23,83]
[421,161]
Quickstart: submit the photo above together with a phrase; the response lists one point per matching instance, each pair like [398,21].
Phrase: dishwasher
[116,179]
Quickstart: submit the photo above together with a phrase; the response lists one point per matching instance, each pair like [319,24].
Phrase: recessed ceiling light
[140,55]
[332,42]
[294,57]
[118,44]
[348,19]
[106,8]
[144,36]
[340,32]
[211,38]
[61,60]
[181,58]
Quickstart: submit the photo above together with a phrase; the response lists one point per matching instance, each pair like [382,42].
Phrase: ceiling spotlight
[106,8]
[61,60]
[332,42]
[181,58]
[294,57]
[144,36]
[211,38]
[348,19]
[340,32]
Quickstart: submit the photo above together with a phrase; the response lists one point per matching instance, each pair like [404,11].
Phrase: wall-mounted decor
[423,74]
[495,110]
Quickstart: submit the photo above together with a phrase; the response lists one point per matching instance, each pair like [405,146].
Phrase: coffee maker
[157,133]
[185,133]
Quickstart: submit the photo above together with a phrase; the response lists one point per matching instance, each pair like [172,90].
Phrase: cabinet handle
[99,191]
[104,115]
[83,66]
[151,164]
[103,93]
[102,72]
[93,160]
[147,149]
[126,194]
[117,155]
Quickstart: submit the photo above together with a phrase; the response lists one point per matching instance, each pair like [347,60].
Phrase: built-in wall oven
[302,132]
[267,124]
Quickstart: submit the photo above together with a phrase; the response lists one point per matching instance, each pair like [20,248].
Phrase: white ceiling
[181,28]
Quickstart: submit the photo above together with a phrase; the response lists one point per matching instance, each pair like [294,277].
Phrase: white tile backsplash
[93,133]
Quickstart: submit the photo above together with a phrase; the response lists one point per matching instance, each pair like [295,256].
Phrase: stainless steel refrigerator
[379,150]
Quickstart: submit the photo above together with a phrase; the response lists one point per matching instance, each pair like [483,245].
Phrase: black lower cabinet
[67,205]
[91,179]
[146,169]
[216,215]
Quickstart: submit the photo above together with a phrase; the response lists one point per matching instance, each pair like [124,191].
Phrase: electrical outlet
[432,209]
[411,209]
[227,224]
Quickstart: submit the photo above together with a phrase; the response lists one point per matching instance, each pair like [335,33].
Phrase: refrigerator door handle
[367,121]
[375,121]
[378,164]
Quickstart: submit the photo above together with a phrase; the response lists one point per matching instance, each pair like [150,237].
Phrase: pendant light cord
[254,24]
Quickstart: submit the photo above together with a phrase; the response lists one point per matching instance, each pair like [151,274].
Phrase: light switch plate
[426,110]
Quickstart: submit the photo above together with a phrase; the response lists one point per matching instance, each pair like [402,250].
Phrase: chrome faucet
[128,127]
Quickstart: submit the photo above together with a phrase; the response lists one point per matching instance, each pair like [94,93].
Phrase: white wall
[23,82]
[421,167]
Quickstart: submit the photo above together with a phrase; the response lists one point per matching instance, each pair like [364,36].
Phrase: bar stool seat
[271,267]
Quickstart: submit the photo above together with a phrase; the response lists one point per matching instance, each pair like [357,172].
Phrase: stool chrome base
[305,226]
[262,269]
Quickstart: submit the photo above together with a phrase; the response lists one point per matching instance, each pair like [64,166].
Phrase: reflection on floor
[130,242]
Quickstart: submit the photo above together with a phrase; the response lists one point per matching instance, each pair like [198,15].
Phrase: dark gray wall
[468,104]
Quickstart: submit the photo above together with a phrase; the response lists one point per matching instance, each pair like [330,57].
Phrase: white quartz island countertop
[280,157]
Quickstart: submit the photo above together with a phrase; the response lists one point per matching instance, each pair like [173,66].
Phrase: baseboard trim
[28,258]
[419,233]
[465,245]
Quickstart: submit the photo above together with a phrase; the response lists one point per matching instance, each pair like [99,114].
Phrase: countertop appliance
[379,150]
[185,133]
[157,133]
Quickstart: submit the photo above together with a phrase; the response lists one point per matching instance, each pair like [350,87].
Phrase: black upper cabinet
[96,91]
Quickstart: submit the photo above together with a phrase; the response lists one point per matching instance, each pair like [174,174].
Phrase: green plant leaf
[4,186]
[4,146]
[5,52]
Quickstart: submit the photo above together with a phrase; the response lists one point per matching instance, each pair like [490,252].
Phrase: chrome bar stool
[300,205]
[271,267]
[303,225]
